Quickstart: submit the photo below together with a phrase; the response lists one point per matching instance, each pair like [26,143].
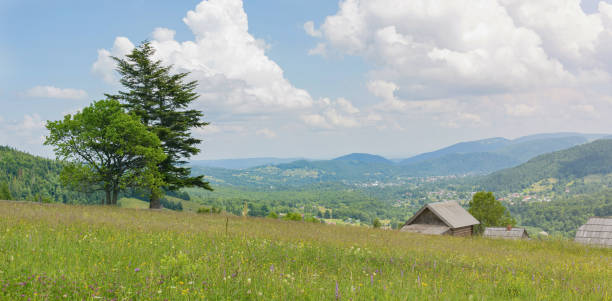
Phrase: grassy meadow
[59,252]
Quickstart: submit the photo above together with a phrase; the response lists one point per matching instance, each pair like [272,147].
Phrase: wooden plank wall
[463,231]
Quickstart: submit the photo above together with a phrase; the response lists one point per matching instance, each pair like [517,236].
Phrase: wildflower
[136,270]
[337,291]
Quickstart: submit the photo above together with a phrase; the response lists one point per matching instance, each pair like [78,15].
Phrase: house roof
[425,229]
[596,231]
[505,233]
[450,212]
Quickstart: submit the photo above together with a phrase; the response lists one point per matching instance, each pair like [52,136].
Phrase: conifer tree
[162,99]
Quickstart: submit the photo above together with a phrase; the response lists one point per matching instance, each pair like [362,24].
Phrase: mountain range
[473,157]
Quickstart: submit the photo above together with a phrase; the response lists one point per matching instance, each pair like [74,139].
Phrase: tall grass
[51,252]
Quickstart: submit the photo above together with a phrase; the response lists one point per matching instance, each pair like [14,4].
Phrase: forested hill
[561,167]
[33,178]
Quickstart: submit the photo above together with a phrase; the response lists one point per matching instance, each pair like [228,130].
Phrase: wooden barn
[442,218]
[505,232]
[597,231]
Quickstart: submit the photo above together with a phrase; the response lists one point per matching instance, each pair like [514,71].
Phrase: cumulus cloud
[24,133]
[230,64]
[472,46]
[333,114]
[104,66]
[54,92]
[309,28]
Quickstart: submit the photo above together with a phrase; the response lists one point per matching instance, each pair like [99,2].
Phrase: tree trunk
[108,197]
[155,201]
[115,195]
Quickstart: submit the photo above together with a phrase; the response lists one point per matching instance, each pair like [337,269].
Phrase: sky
[320,78]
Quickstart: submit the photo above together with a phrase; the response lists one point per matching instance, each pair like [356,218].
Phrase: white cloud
[320,49]
[309,28]
[56,93]
[267,133]
[333,114]
[472,46]
[520,110]
[104,66]
[230,65]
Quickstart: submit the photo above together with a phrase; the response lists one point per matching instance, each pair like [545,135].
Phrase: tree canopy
[161,100]
[489,211]
[106,149]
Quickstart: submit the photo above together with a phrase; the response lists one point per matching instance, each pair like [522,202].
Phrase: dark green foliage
[30,177]
[376,223]
[5,192]
[106,149]
[489,211]
[565,165]
[273,215]
[161,100]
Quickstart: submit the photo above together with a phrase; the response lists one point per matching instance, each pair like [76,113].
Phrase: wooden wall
[463,231]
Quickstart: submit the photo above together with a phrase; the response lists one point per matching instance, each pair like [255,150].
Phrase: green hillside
[594,158]
[34,178]
[59,252]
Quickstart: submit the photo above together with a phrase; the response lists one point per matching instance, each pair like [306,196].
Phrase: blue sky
[322,78]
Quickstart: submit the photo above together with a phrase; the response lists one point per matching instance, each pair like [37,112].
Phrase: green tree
[376,223]
[5,192]
[106,149]
[162,100]
[489,211]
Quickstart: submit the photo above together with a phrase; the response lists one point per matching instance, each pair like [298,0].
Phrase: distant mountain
[518,150]
[479,146]
[365,158]
[242,163]
[594,158]
[475,157]
[456,164]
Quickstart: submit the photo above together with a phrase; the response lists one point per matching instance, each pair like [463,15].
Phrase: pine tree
[161,99]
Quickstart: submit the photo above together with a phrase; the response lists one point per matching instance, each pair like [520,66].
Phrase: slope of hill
[594,158]
[33,178]
[479,146]
[364,158]
[124,254]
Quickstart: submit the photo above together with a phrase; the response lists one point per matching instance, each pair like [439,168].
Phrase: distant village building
[505,232]
[442,218]
[597,231]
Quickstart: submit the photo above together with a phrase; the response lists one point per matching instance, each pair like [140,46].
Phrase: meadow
[56,252]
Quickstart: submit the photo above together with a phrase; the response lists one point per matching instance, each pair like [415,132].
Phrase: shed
[442,218]
[597,231]
[505,232]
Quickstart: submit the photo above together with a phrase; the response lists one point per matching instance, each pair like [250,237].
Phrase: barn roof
[597,231]
[513,233]
[425,229]
[450,212]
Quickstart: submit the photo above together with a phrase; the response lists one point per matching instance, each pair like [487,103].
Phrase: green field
[51,252]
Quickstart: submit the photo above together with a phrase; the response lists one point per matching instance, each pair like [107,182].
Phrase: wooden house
[442,218]
[597,231]
[505,232]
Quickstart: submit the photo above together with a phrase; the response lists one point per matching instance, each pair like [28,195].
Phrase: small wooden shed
[597,231]
[442,218]
[505,232]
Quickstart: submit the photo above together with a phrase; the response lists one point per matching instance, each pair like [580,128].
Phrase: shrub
[293,216]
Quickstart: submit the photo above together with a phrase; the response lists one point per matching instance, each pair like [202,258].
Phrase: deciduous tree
[489,211]
[106,149]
